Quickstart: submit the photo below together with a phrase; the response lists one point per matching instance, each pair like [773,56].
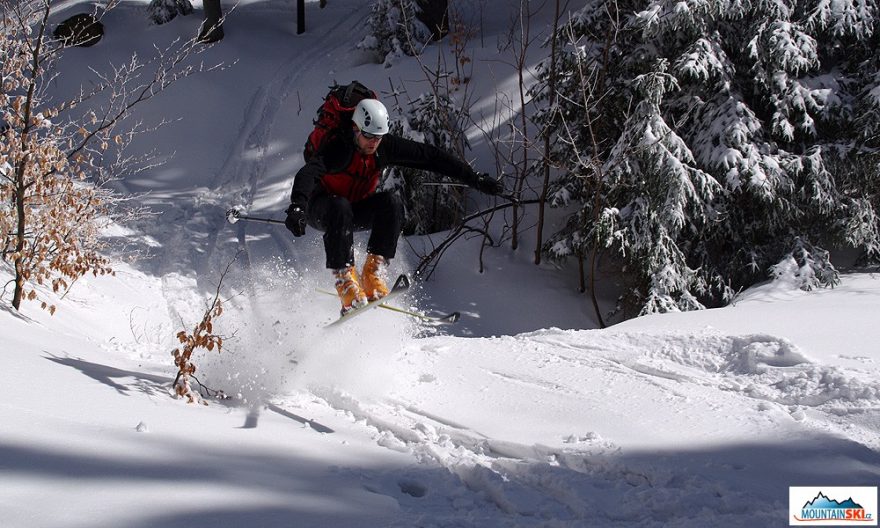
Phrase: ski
[432,319]
[449,318]
[401,285]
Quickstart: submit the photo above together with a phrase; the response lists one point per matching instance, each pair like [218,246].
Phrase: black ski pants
[382,213]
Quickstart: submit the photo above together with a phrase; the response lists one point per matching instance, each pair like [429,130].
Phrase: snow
[522,415]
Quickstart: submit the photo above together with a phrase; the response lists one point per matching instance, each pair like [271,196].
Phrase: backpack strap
[346,97]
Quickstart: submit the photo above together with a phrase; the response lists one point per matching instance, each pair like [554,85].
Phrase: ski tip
[402,282]
[452,318]
[443,320]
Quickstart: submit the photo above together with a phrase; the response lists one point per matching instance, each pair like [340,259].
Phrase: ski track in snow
[196,241]
[570,482]
[192,228]
[574,476]
[252,149]
[529,484]
[580,476]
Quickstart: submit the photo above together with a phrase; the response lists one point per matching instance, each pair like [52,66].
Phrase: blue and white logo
[832,506]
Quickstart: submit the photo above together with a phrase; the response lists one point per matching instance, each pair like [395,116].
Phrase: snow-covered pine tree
[775,104]
[666,201]
[394,30]
[164,11]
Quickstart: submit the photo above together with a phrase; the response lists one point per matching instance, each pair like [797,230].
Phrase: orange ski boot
[373,277]
[349,289]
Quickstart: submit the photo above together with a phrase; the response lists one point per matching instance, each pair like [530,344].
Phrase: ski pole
[449,318]
[233,216]
[438,319]
[444,184]
[509,197]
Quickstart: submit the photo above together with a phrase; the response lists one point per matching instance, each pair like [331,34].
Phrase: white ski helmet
[371,116]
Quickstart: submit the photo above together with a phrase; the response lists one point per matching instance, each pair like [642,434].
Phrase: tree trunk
[519,182]
[213,11]
[553,97]
[435,15]
[212,27]
[21,169]
[18,293]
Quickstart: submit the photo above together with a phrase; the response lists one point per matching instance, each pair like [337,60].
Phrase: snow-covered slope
[522,416]
[643,424]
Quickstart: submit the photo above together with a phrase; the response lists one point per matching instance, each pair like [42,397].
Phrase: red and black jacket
[338,168]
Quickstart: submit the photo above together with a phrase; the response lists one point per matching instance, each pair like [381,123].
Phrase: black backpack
[335,113]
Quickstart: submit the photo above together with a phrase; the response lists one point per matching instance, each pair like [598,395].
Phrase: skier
[335,192]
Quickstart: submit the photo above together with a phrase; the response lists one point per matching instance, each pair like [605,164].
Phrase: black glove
[296,220]
[488,185]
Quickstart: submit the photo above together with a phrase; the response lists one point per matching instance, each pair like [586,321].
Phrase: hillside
[522,415]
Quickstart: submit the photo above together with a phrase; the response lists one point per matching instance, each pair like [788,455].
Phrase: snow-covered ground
[522,415]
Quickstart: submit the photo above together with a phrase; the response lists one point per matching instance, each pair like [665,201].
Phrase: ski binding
[401,285]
